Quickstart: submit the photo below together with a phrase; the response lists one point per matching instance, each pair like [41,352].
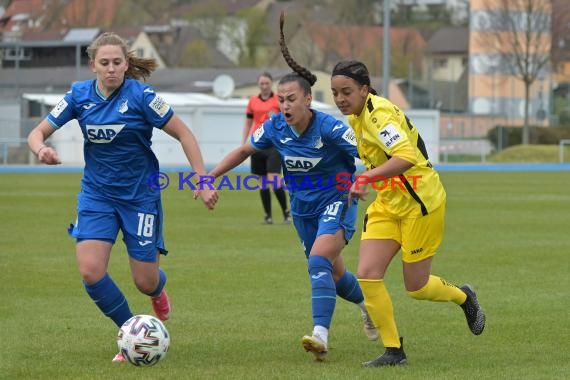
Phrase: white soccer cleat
[369,329]
[316,345]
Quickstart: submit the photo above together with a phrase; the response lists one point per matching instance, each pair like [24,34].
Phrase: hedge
[537,135]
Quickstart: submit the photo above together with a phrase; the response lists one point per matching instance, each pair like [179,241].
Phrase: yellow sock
[437,289]
[379,306]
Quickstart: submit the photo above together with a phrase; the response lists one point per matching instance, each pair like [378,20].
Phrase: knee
[146,285]
[91,274]
[368,273]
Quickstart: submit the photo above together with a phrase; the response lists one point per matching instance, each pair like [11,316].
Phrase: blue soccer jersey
[318,165]
[117,135]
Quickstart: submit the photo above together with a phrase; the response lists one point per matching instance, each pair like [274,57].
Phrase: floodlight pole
[386,52]
[77,61]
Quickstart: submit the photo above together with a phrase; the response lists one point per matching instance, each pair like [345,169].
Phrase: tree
[518,31]
[254,31]
[560,33]
[209,18]
[196,54]
[238,35]
[357,12]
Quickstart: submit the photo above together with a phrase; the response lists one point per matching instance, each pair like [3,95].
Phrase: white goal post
[562,143]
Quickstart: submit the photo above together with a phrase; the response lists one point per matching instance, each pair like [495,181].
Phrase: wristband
[205,179]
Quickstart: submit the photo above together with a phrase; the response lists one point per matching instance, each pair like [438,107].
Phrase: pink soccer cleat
[119,358]
[161,306]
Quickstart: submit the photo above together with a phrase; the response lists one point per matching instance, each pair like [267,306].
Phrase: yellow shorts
[419,238]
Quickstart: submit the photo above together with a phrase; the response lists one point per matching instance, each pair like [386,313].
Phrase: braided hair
[300,74]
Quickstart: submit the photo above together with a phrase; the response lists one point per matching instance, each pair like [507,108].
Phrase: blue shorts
[141,224]
[335,217]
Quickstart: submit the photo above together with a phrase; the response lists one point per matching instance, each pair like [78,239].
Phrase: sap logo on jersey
[102,134]
[301,164]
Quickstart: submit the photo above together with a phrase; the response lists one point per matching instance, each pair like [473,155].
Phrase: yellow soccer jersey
[383,131]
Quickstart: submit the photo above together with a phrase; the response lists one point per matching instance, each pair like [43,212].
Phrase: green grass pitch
[241,300]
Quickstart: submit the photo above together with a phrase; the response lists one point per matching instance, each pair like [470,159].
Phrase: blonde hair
[139,68]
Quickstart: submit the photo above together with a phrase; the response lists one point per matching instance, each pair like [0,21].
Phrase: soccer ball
[143,340]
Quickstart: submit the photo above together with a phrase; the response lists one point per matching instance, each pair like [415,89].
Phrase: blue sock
[323,290]
[109,298]
[349,289]
[161,282]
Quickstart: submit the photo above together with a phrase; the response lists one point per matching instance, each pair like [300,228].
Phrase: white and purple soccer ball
[143,340]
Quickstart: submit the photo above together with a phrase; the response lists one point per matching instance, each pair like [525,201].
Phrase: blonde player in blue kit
[117,114]
[409,216]
[314,148]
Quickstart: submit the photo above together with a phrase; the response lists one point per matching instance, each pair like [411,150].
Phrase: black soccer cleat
[473,312]
[392,356]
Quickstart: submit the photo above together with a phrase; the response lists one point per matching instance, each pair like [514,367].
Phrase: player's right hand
[49,156]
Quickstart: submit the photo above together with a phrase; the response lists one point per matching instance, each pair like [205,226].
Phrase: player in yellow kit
[408,212]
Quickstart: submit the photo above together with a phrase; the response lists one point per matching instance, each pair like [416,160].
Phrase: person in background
[408,212]
[117,114]
[265,163]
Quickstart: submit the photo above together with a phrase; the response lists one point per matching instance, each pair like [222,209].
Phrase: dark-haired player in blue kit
[117,114]
[314,148]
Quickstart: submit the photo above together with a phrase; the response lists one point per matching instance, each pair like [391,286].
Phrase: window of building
[440,63]
[34,109]
[17,54]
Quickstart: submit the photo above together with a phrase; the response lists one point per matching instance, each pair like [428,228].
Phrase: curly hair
[139,68]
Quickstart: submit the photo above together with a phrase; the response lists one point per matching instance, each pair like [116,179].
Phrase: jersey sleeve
[343,136]
[155,109]
[392,137]
[260,138]
[249,110]
[63,112]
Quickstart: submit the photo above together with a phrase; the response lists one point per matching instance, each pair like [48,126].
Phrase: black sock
[266,201]
[282,198]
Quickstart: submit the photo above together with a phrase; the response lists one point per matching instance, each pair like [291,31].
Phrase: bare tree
[519,32]
[560,33]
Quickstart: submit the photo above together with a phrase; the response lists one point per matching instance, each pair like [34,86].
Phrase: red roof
[89,13]
[24,6]
[33,8]
[46,35]
[353,41]
[61,15]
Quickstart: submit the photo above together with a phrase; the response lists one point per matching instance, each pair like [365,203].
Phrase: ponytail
[302,75]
